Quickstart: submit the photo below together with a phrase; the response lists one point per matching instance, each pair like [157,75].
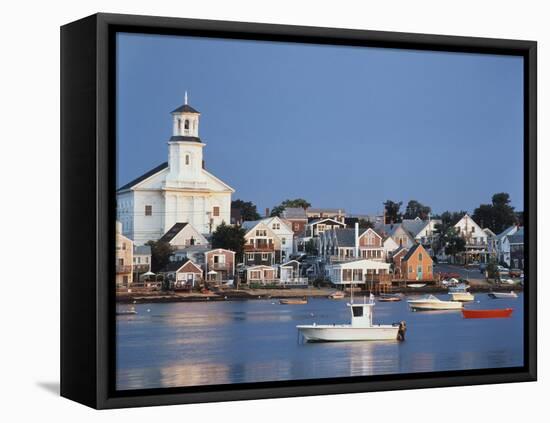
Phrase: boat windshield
[357,311]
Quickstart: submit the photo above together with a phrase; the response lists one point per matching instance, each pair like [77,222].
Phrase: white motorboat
[361,328]
[431,302]
[460,293]
[416,285]
[500,295]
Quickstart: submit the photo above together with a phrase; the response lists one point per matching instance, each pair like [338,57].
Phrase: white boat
[416,285]
[498,295]
[361,328]
[460,293]
[431,302]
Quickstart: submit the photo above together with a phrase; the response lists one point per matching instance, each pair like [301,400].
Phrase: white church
[178,191]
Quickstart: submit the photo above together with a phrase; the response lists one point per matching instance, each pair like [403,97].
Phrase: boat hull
[487,314]
[500,295]
[341,333]
[435,305]
[461,296]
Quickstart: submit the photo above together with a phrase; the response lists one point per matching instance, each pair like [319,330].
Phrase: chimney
[267,212]
[356,239]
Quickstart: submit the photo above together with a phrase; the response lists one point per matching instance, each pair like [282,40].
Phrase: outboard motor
[402,330]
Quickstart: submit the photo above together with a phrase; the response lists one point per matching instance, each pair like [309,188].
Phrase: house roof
[398,250]
[414,226]
[143,177]
[345,237]
[506,232]
[318,210]
[174,266]
[249,224]
[173,231]
[294,213]
[388,229]
[515,239]
[142,250]
[186,108]
[316,221]
[412,251]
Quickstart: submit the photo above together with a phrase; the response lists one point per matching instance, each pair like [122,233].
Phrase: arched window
[186,123]
[187,159]
[179,124]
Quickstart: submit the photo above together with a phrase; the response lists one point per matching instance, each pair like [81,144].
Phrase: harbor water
[205,343]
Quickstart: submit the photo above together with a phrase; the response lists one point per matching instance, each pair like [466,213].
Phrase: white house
[285,233]
[357,271]
[183,235]
[476,240]
[179,190]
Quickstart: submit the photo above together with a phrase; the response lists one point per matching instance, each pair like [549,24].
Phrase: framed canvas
[257,211]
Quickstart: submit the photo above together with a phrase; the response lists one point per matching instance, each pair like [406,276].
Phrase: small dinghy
[337,295]
[361,328]
[389,298]
[416,285]
[460,293]
[500,295]
[126,312]
[293,301]
[487,314]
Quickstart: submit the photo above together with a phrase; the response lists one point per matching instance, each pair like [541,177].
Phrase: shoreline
[263,294]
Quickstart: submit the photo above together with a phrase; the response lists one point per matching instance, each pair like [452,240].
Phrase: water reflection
[189,344]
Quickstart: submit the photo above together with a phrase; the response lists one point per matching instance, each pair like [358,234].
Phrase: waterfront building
[179,190]
[417,265]
[475,238]
[261,275]
[290,273]
[511,251]
[323,213]
[182,274]
[397,232]
[350,244]
[195,253]
[262,245]
[397,258]
[141,261]
[358,272]
[219,265]
[316,227]
[124,258]
[423,231]
[183,235]
[297,217]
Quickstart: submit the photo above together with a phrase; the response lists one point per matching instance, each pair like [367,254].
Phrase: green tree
[160,254]
[230,238]
[365,224]
[416,209]
[454,244]
[393,214]
[297,202]
[498,215]
[247,209]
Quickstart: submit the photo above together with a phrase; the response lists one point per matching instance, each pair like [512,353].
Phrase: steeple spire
[185,98]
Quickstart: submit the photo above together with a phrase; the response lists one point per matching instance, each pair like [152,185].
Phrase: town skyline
[284,132]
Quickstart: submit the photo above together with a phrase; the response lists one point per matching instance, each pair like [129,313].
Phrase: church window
[187,159]
[148,210]
[179,124]
[216,211]
[186,123]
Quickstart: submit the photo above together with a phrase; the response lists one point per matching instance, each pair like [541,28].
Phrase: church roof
[144,176]
[186,108]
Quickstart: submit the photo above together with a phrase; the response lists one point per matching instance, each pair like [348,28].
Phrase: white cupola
[185,160]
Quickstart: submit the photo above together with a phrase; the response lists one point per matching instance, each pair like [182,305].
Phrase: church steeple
[186,122]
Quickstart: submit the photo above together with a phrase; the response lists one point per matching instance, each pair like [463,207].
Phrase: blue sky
[343,127]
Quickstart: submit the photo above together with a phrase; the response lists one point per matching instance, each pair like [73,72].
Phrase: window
[410,269]
[283,241]
[250,256]
[296,227]
[473,230]
[148,210]
[265,256]
[419,256]
[121,262]
[179,124]
[216,211]
[186,123]
[261,232]
[357,311]
[276,226]
[123,245]
[139,260]
[187,159]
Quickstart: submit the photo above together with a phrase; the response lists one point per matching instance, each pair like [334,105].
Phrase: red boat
[487,314]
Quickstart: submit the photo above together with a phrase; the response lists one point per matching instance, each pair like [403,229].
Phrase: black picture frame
[88,209]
